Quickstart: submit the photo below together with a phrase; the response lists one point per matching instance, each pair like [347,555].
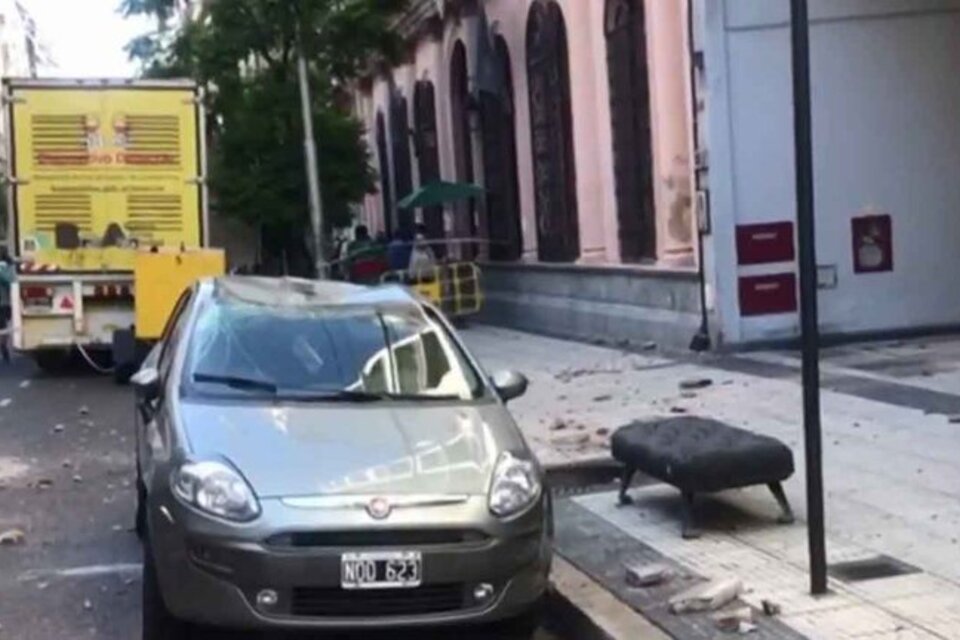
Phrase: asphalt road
[66,473]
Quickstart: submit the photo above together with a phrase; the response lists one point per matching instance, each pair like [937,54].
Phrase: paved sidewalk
[890,461]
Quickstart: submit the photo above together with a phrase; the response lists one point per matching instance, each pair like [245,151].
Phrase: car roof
[300,292]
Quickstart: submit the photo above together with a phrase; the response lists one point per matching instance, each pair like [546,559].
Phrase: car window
[172,332]
[241,347]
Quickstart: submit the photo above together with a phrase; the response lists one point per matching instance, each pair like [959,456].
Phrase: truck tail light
[34,296]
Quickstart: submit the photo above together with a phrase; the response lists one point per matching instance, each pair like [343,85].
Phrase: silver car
[316,456]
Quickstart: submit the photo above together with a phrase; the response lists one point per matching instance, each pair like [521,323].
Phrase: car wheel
[158,623]
[140,522]
[524,626]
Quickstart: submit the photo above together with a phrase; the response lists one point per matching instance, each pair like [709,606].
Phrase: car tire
[524,626]
[140,520]
[158,623]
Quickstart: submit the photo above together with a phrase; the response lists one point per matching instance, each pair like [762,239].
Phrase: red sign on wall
[765,243]
[872,244]
[767,295]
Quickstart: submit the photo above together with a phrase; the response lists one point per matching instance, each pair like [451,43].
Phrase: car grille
[377,538]
[343,603]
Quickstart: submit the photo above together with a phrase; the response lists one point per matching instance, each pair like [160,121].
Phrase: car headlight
[516,485]
[215,488]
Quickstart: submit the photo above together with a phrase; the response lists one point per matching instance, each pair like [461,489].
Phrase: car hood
[289,450]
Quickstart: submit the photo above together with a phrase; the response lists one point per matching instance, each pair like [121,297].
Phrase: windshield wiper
[237,382]
[339,395]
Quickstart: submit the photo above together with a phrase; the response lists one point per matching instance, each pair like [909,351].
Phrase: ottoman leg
[690,530]
[625,479]
[786,513]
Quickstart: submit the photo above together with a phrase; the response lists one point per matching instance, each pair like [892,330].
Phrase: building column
[669,66]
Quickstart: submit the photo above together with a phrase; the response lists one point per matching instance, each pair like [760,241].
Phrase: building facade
[576,119]
[638,160]
[886,99]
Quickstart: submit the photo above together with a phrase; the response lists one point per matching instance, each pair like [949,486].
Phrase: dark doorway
[402,170]
[464,223]
[555,180]
[384,168]
[500,160]
[630,123]
[428,154]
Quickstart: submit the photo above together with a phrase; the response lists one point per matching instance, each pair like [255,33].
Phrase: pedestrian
[422,258]
[399,250]
[8,275]
[366,260]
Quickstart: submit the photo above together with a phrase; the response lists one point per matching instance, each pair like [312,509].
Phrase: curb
[581,608]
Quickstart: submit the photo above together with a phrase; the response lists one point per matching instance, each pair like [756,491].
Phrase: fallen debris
[640,576]
[571,439]
[77,479]
[649,346]
[558,425]
[87,605]
[12,538]
[677,410]
[603,398]
[695,383]
[58,428]
[603,431]
[770,608]
[731,620]
[708,596]
[84,410]
[44,483]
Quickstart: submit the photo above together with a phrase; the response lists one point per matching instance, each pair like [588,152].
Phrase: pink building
[575,116]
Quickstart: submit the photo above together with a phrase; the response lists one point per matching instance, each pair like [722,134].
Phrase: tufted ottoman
[699,455]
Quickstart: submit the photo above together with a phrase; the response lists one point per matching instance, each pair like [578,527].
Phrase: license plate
[381,570]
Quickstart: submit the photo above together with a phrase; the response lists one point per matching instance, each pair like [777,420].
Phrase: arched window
[500,159]
[400,144]
[464,224]
[384,169]
[428,153]
[551,126]
[630,123]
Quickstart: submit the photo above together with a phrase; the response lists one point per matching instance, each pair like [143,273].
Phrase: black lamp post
[810,330]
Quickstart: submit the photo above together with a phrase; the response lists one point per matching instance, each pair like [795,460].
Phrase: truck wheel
[51,361]
[157,622]
[124,355]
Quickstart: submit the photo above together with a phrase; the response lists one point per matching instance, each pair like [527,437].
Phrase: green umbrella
[438,193]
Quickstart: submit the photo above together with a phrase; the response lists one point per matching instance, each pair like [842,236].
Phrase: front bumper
[210,572]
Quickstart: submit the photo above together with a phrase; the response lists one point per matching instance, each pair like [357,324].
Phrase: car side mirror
[510,384]
[147,383]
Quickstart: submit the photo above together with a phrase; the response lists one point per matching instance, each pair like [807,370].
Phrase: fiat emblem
[379,508]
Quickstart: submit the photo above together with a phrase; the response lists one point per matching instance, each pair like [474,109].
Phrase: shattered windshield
[304,352]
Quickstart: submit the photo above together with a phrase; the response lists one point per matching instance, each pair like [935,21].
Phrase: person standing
[8,275]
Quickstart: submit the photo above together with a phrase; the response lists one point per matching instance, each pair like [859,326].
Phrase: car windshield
[319,354]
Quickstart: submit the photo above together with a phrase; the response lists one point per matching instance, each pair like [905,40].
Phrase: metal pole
[810,330]
[310,152]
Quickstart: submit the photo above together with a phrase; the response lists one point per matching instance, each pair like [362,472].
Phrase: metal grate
[59,139]
[154,213]
[380,539]
[342,603]
[153,140]
[871,569]
[52,209]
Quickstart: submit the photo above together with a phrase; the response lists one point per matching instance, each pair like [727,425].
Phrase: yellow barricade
[454,288]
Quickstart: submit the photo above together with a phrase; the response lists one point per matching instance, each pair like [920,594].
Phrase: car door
[152,429]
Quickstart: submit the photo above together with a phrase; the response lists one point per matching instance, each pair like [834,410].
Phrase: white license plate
[381,570]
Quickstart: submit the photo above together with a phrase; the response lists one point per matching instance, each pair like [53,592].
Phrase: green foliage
[245,52]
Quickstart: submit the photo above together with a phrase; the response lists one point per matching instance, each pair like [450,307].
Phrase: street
[66,473]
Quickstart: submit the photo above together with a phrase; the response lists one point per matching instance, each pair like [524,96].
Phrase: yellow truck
[107,205]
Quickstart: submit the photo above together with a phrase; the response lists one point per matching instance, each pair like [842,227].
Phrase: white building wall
[886,114]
